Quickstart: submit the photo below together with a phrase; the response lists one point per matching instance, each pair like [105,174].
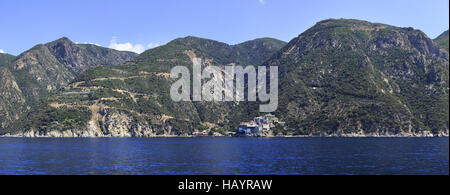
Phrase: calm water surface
[225,156]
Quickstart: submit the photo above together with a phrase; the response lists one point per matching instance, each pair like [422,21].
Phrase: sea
[224,156]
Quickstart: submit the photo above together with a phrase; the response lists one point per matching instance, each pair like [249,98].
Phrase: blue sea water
[208,155]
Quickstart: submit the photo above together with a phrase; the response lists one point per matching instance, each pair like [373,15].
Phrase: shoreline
[91,134]
[189,136]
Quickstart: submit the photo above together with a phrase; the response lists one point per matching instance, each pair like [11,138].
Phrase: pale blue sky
[144,24]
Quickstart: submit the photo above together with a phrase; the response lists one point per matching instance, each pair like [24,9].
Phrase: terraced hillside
[44,69]
[338,78]
[133,99]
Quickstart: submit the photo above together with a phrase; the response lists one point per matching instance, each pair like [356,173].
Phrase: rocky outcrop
[106,123]
[116,123]
[12,101]
[48,67]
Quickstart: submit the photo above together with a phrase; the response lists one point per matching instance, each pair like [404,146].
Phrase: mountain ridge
[62,60]
[443,41]
[131,99]
[341,77]
[48,67]
[5,59]
[345,77]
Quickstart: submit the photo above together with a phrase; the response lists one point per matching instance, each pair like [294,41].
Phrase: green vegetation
[442,40]
[338,77]
[350,76]
[44,69]
[141,87]
[6,59]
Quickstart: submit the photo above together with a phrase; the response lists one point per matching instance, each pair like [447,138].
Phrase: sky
[137,25]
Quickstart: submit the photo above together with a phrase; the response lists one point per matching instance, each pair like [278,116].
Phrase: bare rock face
[45,68]
[78,57]
[116,123]
[12,101]
[39,72]
[111,123]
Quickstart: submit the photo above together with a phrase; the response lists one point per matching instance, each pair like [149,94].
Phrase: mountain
[5,59]
[46,68]
[339,78]
[352,77]
[253,52]
[133,99]
[257,51]
[442,40]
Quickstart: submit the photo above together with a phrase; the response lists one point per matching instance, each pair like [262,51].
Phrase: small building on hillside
[200,133]
[250,128]
[259,126]
[260,120]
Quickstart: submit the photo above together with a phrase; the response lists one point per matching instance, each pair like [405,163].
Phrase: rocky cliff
[11,98]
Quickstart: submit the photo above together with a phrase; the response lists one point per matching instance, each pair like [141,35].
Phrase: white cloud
[263,2]
[152,45]
[89,43]
[1,51]
[136,48]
